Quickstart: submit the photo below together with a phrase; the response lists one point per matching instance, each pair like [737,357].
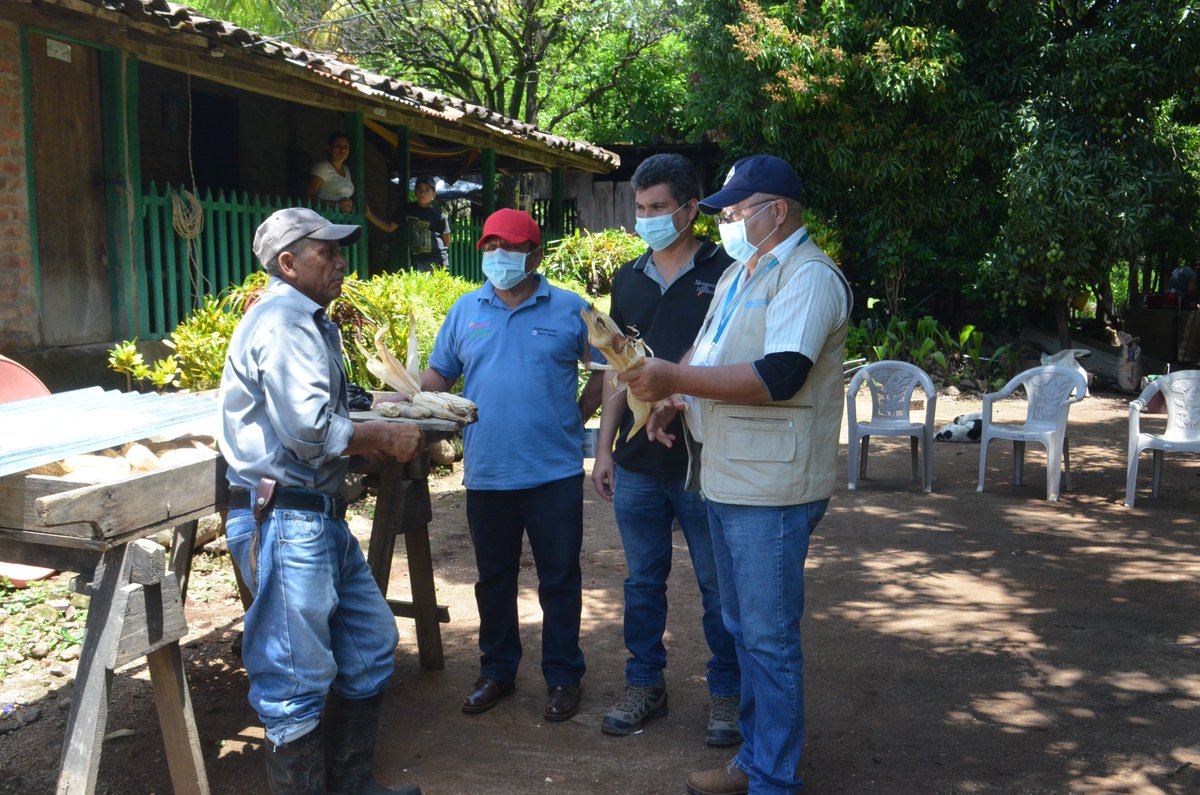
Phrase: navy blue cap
[751,175]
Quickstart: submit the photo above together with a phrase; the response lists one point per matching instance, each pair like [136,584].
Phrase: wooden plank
[389,513]
[93,679]
[402,608]
[153,498]
[420,575]
[54,557]
[153,618]
[181,553]
[178,722]
[19,493]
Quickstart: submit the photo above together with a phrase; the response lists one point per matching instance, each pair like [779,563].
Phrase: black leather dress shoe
[563,703]
[485,695]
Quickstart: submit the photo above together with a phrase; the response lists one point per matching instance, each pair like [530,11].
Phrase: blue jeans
[318,621]
[645,506]
[760,554]
[552,516]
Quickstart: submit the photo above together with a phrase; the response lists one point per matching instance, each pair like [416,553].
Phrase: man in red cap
[517,342]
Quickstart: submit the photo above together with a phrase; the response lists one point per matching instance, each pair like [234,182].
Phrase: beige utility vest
[778,453]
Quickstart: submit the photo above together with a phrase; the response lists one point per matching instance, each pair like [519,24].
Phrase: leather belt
[295,499]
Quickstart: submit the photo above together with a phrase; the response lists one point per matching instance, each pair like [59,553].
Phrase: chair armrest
[988,399]
[1147,394]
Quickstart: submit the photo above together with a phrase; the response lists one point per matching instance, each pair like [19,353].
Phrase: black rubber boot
[298,767]
[350,727]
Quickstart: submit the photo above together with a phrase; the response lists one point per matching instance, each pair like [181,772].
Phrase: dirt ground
[956,643]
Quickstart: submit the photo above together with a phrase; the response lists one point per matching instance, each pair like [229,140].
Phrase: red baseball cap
[511,226]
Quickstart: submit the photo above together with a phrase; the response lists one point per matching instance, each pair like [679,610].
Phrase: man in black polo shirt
[663,296]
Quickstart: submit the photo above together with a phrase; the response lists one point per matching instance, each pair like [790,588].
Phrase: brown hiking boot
[727,780]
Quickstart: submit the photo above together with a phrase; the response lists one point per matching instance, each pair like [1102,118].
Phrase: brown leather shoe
[727,780]
[563,703]
[486,694]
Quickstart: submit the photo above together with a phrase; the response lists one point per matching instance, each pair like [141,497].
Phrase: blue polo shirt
[521,370]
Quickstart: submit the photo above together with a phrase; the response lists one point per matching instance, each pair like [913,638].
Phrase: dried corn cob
[623,353]
[406,410]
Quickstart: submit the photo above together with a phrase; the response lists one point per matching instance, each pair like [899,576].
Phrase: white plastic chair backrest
[1181,392]
[892,384]
[1051,389]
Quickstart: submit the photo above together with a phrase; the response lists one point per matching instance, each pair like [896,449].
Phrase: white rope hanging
[187,216]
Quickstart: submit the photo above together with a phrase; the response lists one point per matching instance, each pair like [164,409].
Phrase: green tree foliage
[1037,138]
[1095,174]
[873,104]
[600,70]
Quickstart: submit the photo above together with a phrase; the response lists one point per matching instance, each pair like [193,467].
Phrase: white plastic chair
[1181,392]
[892,385]
[1050,391]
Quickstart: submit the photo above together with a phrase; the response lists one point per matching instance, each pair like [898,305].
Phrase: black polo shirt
[668,322]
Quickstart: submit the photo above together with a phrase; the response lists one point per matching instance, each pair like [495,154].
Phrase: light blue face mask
[504,269]
[658,231]
[733,238]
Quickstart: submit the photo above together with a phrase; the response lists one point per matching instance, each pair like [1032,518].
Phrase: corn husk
[624,353]
[388,369]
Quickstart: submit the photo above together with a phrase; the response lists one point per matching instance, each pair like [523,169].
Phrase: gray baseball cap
[286,226]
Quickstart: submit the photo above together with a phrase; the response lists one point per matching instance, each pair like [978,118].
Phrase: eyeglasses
[493,245]
[729,216]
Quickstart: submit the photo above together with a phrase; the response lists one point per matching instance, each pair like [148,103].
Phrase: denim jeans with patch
[760,553]
[645,507]
[318,621]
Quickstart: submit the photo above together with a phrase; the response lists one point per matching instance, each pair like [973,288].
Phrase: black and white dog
[965,428]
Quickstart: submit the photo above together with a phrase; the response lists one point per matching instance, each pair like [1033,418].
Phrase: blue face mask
[658,231]
[733,238]
[504,269]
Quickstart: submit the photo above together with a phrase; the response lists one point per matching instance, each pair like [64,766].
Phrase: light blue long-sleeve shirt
[284,408]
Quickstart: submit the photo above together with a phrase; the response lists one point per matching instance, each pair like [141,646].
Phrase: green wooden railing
[174,279]
[174,275]
[464,259]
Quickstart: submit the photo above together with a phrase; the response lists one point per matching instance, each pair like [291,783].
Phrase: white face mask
[733,237]
[658,231]
[504,269]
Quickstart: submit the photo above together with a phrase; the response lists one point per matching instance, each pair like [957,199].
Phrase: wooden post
[398,243]
[489,182]
[403,506]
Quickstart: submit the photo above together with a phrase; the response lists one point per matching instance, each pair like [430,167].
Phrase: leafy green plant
[127,359]
[199,343]
[950,358]
[592,258]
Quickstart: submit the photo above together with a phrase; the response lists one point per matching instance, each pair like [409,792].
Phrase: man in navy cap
[762,388]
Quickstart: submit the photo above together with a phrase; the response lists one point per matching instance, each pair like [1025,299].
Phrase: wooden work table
[403,507]
[100,531]
[137,595]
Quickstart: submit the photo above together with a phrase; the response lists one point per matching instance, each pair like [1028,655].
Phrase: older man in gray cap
[764,384]
[319,636]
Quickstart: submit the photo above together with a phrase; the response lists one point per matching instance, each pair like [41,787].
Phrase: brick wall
[18,308]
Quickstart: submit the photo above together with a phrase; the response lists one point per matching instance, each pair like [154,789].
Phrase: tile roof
[412,97]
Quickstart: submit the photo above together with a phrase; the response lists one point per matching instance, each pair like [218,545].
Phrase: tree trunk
[1060,320]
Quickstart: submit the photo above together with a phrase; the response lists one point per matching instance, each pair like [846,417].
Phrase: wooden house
[109,108]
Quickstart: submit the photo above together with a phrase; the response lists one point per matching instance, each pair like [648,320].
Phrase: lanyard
[731,305]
